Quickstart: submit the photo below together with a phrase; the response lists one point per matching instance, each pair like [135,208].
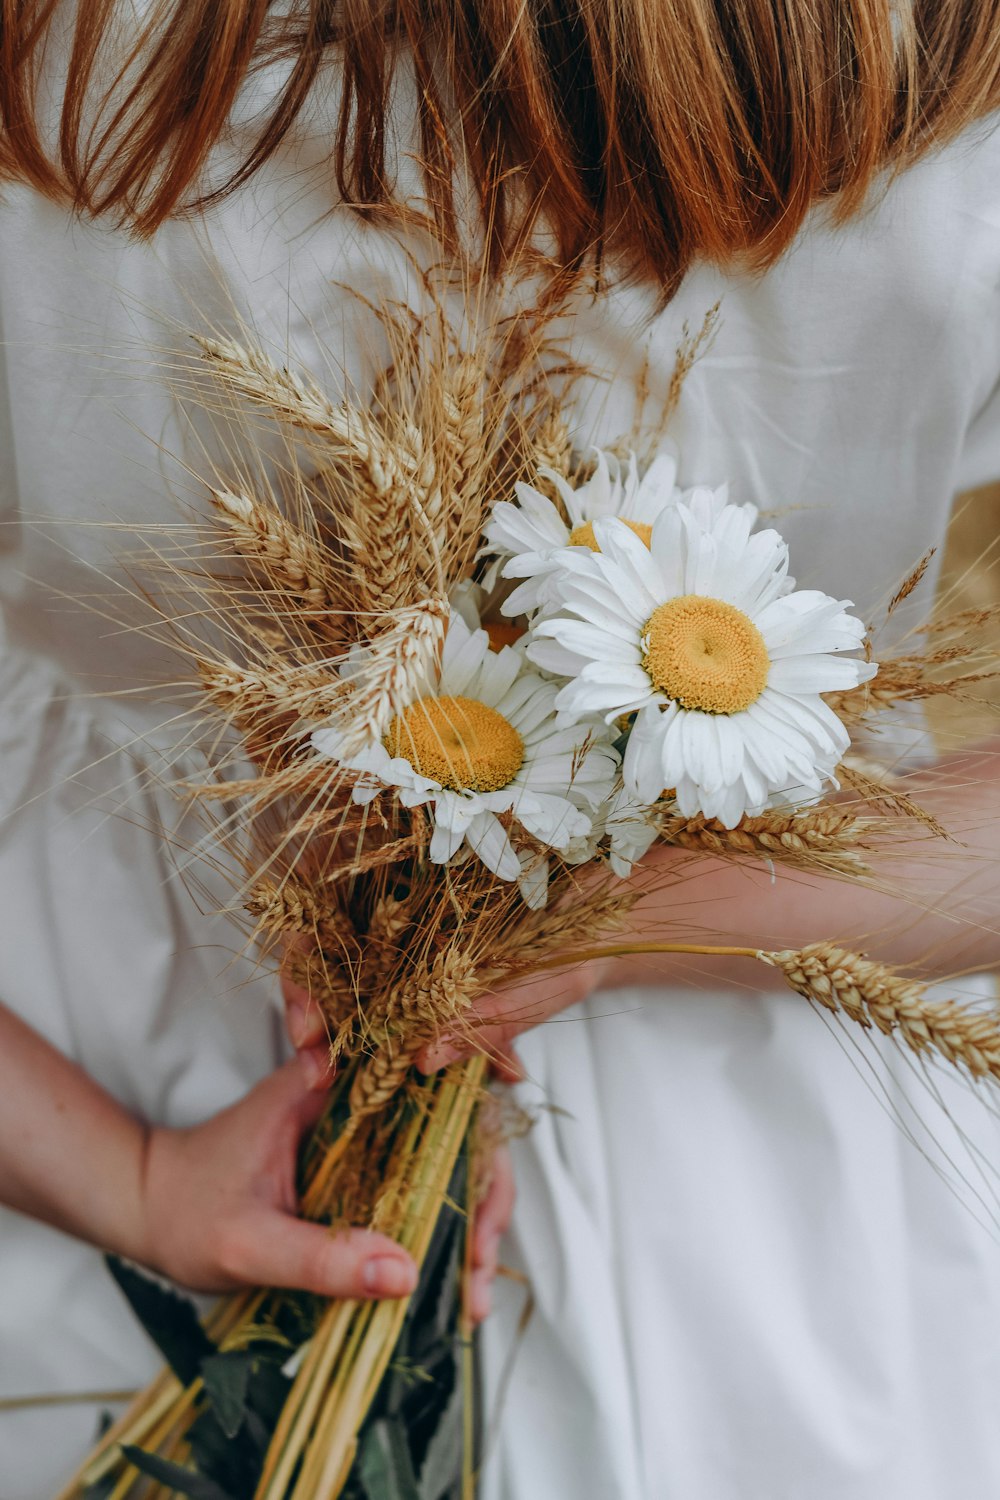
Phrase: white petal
[550,819]
[445,842]
[642,766]
[655,490]
[699,742]
[533,881]
[593,642]
[487,837]
[497,672]
[464,650]
[624,560]
[451,810]
[552,657]
[732,805]
[530,702]
[526,598]
[816,674]
[808,622]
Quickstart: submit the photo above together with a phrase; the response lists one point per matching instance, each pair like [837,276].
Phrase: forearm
[934,907]
[70,1155]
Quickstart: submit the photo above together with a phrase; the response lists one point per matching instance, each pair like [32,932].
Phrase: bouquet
[466,671]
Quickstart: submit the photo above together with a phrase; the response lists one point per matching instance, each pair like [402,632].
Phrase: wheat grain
[909,583]
[248,371]
[291,560]
[399,658]
[827,836]
[873,995]
[247,695]
[874,787]
[285,906]
[378,1081]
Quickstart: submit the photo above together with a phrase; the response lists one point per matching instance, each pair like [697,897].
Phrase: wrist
[151,1240]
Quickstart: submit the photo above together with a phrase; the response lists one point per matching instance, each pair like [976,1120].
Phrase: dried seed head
[873,995]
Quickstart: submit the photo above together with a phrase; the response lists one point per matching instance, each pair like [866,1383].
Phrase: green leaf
[227,1380]
[384,1465]
[269,1388]
[233,1463]
[443,1463]
[170,1320]
[183,1481]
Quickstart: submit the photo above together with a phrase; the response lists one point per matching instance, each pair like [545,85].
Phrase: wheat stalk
[873,995]
[873,786]
[247,371]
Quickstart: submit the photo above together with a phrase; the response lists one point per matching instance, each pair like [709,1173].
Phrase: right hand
[308,1034]
[219,1205]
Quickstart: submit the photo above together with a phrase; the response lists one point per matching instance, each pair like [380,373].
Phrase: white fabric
[747,1286]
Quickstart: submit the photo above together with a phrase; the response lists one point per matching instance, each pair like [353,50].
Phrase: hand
[501,1017]
[219,1205]
[308,1035]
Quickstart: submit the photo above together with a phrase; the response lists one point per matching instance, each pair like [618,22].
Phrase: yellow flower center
[705,654]
[458,742]
[583,536]
[503,633]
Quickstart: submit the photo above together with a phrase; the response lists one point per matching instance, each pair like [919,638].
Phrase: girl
[746,1283]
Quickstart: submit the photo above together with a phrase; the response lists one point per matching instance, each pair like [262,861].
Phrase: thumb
[289,1092]
[279,1250]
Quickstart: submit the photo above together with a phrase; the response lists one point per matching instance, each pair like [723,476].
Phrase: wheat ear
[263,536]
[872,995]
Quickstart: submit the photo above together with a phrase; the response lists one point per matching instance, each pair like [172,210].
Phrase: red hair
[660,130]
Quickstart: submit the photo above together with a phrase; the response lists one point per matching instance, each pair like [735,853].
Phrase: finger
[270,1248]
[501,1017]
[318,1069]
[507,1067]
[495,1042]
[288,1092]
[303,1017]
[494,1213]
[479,1297]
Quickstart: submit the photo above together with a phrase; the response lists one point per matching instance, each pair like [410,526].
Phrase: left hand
[501,1017]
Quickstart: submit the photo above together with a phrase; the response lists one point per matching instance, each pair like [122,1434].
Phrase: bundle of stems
[313,1446]
[318,593]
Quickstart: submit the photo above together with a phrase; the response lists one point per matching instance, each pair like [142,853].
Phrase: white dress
[746,1285]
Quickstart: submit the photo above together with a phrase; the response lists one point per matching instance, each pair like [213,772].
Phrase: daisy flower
[700,637]
[480,742]
[531,532]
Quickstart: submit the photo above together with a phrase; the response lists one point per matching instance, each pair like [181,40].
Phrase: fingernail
[388,1276]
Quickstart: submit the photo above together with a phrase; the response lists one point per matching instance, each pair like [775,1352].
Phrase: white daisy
[531,532]
[470,600]
[480,742]
[698,635]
